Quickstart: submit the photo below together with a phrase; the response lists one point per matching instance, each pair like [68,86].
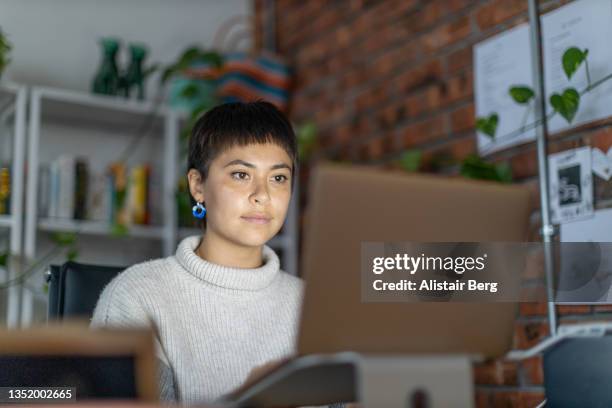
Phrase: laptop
[349,205]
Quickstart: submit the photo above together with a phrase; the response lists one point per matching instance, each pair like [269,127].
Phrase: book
[118,207]
[138,200]
[5,190]
[66,188]
[81,189]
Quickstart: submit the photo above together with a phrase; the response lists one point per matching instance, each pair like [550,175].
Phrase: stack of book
[69,190]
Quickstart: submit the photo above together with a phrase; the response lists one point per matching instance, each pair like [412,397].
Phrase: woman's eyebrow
[251,165]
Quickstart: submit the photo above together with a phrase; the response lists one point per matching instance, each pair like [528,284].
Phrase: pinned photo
[571,185]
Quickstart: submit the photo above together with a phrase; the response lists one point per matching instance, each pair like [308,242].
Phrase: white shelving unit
[92,126]
[13,107]
[99,128]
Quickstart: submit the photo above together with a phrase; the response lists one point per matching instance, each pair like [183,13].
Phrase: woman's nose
[261,194]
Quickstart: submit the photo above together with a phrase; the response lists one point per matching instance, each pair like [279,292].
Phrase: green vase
[106,81]
[135,74]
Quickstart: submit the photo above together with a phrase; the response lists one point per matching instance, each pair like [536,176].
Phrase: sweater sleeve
[117,307]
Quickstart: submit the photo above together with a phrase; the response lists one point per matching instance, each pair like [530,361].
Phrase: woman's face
[247,193]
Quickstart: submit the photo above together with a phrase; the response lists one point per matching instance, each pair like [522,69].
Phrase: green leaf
[4,259]
[119,230]
[504,172]
[189,91]
[72,254]
[189,56]
[410,160]
[572,59]
[474,167]
[64,238]
[521,94]
[306,137]
[566,104]
[488,125]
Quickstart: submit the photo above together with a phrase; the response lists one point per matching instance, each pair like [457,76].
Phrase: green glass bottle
[135,74]
[107,78]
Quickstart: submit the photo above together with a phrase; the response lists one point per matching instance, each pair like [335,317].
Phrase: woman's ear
[196,185]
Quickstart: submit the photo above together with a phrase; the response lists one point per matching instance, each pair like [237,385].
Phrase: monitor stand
[373,380]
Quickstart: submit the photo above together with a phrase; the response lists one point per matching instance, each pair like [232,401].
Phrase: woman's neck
[217,250]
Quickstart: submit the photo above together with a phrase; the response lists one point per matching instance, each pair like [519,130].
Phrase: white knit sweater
[213,323]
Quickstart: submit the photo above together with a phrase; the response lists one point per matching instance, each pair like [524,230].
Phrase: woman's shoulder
[123,300]
[153,271]
[291,282]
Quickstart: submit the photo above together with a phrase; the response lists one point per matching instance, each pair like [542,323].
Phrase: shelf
[6,221]
[278,242]
[10,87]
[97,228]
[110,112]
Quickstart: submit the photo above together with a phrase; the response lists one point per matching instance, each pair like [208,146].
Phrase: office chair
[577,373]
[74,288]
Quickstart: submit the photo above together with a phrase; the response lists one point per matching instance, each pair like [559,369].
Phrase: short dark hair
[239,123]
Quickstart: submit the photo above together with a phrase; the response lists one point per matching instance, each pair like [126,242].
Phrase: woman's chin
[254,240]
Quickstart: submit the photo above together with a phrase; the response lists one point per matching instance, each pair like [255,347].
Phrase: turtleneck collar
[224,276]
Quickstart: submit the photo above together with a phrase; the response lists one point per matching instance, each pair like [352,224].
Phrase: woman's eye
[280,178]
[240,175]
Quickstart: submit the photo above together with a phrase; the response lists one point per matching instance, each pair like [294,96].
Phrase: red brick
[463,118]
[371,98]
[530,399]
[516,399]
[532,370]
[422,102]
[505,399]
[601,139]
[454,152]
[528,334]
[422,132]
[533,309]
[573,309]
[524,164]
[498,11]
[482,398]
[458,87]
[375,148]
[496,372]
[419,77]
[447,34]
[459,60]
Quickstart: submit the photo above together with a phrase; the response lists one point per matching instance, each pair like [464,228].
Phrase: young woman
[220,306]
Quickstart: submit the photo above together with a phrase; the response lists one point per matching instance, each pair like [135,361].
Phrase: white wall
[56,41]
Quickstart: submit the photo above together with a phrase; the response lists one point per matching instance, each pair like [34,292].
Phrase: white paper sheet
[595,229]
[499,63]
[586,24]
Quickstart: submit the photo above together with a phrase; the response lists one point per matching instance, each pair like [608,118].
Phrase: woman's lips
[257,220]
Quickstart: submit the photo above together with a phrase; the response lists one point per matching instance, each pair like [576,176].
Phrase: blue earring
[199,211]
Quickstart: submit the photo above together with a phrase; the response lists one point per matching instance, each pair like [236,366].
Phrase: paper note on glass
[585,24]
[499,63]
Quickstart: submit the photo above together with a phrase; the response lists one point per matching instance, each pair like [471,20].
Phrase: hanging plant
[5,48]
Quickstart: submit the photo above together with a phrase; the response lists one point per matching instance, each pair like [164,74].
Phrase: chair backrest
[74,288]
[577,373]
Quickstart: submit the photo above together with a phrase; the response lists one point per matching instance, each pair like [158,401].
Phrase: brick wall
[379,77]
